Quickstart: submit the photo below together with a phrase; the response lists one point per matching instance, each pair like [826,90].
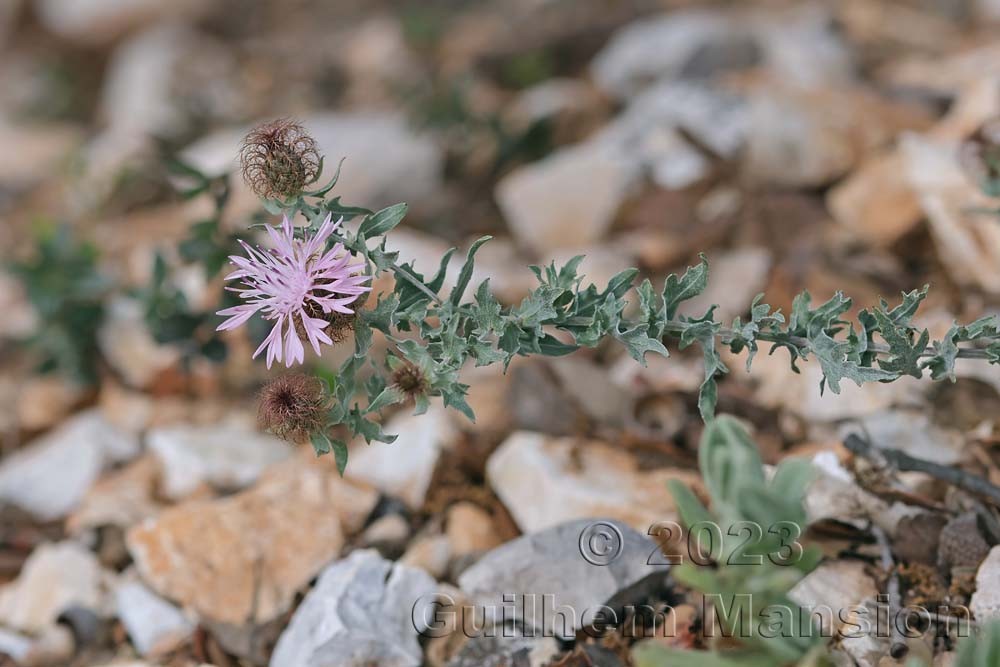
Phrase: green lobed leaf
[833,358]
[638,342]
[691,284]
[905,353]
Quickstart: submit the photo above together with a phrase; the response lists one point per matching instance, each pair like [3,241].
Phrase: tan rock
[431,553]
[965,233]
[878,24]
[55,577]
[835,585]
[34,152]
[489,387]
[568,199]
[129,346]
[833,494]
[470,529]
[811,137]
[121,498]
[948,75]
[879,202]
[243,558]
[876,202]
[45,400]
[547,481]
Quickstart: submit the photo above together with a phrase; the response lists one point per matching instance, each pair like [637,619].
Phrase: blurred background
[844,145]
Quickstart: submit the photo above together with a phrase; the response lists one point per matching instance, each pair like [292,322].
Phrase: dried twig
[906,463]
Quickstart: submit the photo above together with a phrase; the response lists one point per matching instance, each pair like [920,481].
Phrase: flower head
[410,379]
[278,159]
[292,407]
[294,285]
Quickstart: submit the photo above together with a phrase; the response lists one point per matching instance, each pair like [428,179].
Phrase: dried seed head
[278,159]
[410,379]
[292,407]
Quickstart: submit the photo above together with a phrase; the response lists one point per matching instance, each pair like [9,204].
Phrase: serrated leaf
[904,354]
[550,346]
[362,338]
[904,312]
[703,332]
[621,282]
[320,443]
[466,273]
[638,343]
[485,354]
[388,396]
[338,210]
[454,397]
[382,316]
[437,281]
[833,358]
[367,429]
[382,222]
[486,310]
[691,284]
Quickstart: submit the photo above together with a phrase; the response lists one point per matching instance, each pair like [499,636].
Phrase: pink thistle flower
[289,285]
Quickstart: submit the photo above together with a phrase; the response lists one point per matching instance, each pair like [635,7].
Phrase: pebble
[154,625]
[404,468]
[567,199]
[55,577]
[363,610]
[535,575]
[97,22]
[129,347]
[242,559]
[546,481]
[51,475]
[229,455]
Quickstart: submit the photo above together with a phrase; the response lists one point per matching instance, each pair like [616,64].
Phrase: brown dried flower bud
[292,407]
[278,159]
[410,379]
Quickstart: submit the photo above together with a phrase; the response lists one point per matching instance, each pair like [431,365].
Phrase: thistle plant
[749,579]
[66,289]
[306,284]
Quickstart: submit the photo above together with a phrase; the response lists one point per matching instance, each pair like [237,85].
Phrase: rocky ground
[830,145]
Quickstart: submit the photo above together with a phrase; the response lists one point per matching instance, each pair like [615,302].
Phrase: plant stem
[676,328]
[906,463]
[395,268]
[412,279]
